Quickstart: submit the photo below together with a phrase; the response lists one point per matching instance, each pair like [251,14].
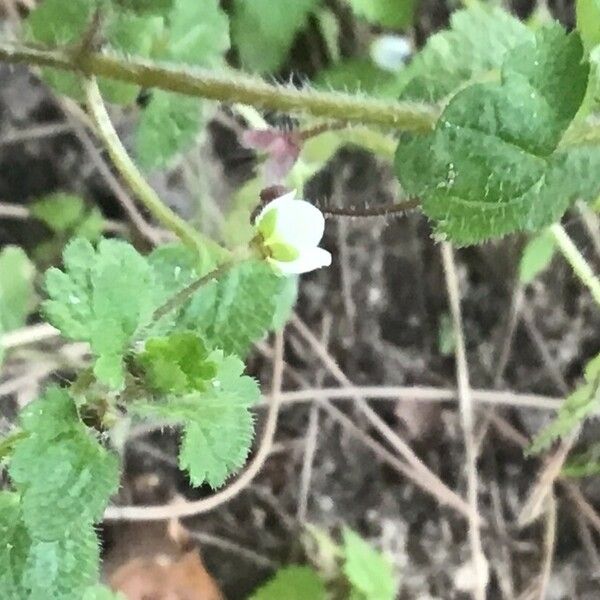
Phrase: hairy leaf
[217,423]
[239,309]
[292,583]
[263,31]
[582,403]
[475,45]
[103,296]
[492,165]
[64,568]
[368,571]
[64,475]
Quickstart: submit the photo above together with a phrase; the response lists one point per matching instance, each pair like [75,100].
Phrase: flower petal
[299,223]
[309,260]
[282,201]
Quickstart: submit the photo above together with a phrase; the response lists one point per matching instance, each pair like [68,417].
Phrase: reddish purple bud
[281,147]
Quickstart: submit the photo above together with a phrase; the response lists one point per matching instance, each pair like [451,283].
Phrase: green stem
[231,87]
[135,179]
[580,266]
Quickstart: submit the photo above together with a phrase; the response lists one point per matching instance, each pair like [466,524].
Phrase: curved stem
[231,87]
[134,178]
[580,266]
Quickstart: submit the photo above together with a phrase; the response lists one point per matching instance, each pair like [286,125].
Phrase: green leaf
[388,13]
[16,287]
[68,214]
[169,123]
[64,568]
[263,31]
[239,309]
[14,546]
[217,423]
[368,571]
[474,46]
[197,34]
[60,22]
[492,166]
[292,583]
[103,296]
[177,364]
[582,403]
[537,256]
[588,22]
[64,475]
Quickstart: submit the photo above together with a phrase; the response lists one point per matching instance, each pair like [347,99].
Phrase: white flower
[290,231]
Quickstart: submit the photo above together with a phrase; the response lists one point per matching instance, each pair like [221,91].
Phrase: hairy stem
[580,266]
[231,87]
[135,179]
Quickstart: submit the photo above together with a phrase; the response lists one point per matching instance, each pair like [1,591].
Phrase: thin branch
[231,87]
[549,543]
[428,480]
[466,412]
[186,509]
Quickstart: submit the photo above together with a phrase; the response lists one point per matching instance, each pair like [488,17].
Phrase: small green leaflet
[263,31]
[197,33]
[292,583]
[217,423]
[68,215]
[537,256]
[16,287]
[475,45]
[388,13]
[177,364]
[104,296]
[368,571]
[582,403]
[492,165]
[583,464]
